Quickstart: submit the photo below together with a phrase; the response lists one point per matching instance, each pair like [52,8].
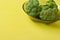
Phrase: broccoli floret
[49,11]
[32,8]
[48,15]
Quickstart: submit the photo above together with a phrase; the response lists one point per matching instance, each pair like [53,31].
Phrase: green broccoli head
[48,15]
[49,11]
[32,8]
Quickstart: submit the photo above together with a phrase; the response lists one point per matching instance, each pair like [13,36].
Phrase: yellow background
[16,25]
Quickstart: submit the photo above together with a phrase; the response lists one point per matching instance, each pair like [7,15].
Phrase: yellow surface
[16,25]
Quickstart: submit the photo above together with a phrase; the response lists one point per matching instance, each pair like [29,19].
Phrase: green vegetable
[32,8]
[49,11]
[48,15]
[46,12]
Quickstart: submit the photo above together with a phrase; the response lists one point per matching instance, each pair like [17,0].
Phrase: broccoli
[32,8]
[48,15]
[45,12]
[49,11]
